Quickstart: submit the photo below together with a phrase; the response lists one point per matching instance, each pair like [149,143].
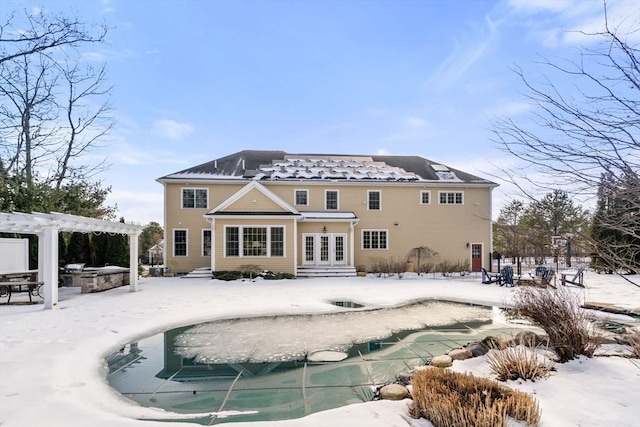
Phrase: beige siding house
[322,213]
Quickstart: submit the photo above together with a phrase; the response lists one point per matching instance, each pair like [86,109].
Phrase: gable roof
[279,165]
[253,185]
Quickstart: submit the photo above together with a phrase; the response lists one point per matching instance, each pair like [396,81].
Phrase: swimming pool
[284,367]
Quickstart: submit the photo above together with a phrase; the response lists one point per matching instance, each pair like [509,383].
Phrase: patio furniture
[546,276]
[9,288]
[577,279]
[488,278]
[506,276]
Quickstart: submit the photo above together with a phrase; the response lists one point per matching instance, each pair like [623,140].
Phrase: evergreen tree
[615,230]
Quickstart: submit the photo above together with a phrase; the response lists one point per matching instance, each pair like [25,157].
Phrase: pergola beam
[47,227]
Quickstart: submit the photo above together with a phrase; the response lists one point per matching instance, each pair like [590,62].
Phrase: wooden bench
[9,288]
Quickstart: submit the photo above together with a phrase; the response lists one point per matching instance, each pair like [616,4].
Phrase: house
[322,213]
[156,253]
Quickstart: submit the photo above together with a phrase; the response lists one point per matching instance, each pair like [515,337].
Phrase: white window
[450,197]
[375,239]
[180,242]
[206,242]
[374,200]
[193,198]
[302,197]
[331,200]
[254,241]
[425,197]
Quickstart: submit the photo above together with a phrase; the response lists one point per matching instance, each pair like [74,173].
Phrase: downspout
[212,261]
[352,243]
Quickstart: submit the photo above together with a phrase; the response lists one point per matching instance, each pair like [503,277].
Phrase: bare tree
[86,125]
[41,33]
[53,107]
[589,130]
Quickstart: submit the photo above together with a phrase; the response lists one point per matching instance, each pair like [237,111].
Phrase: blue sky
[197,80]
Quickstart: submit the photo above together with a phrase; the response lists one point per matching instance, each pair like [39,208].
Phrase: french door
[325,249]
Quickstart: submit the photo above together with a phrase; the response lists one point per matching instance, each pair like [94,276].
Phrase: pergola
[47,227]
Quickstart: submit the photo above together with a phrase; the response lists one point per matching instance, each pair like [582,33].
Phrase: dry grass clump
[448,399]
[518,362]
[634,339]
[558,312]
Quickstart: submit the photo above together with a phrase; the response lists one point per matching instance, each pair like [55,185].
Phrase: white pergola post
[50,266]
[133,262]
[41,255]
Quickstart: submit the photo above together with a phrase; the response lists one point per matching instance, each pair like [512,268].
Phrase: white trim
[295,196]
[194,197]
[241,241]
[425,192]
[337,199]
[204,230]
[454,192]
[213,244]
[378,230]
[244,190]
[173,242]
[369,200]
[331,249]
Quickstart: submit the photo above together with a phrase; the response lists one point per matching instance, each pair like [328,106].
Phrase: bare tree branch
[586,138]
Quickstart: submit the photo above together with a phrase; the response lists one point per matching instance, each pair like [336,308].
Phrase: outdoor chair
[488,278]
[577,280]
[506,276]
[546,277]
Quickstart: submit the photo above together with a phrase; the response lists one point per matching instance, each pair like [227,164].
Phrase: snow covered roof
[261,165]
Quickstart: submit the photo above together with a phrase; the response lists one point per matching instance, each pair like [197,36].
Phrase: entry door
[324,249]
[476,257]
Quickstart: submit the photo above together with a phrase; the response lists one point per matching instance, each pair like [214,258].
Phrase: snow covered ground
[52,371]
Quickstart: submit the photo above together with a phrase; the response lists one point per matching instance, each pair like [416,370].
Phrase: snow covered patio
[53,373]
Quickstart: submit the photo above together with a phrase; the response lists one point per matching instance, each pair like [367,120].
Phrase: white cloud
[464,56]
[415,122]
[569,22]
[509,108]
[383,152]
[171,129]
[136,206]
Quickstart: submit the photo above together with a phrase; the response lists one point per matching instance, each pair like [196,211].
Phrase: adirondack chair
[506,276]
[488,278]
[547,276]
[577,279]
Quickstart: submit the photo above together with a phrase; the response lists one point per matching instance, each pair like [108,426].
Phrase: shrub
[277,276]
[421,254]
[634,341]
[250,270]
[388,266]
[448,398]
[446,267]
[558,312]
[226,275]
[426,267]
[518,362]
[462,267]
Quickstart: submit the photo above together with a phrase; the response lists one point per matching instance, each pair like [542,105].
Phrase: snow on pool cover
[284,367]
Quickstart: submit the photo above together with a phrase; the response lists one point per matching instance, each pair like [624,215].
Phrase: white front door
[324,249]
